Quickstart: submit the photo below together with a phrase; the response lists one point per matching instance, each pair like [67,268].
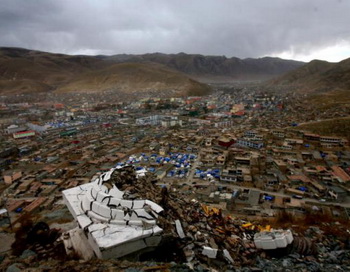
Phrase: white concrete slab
[84,221]
[78,243]
[209,252]
[228,256]
[179,229]
[110,232]
[116,193]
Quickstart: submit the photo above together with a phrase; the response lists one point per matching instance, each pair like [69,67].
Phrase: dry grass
[23,71]
[301,222]
[131,77]
[335,98]
[337,127]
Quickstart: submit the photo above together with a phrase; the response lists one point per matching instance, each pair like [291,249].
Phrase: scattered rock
[28,253]
[16,267]
[287,263]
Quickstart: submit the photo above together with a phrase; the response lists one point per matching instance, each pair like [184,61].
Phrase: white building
[14,129]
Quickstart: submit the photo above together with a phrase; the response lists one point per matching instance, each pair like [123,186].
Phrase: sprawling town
[225,168]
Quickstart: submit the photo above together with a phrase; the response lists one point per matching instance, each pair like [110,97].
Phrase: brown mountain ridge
[217,66]
[317,76]
[30,71]
[326,84]
[135,77]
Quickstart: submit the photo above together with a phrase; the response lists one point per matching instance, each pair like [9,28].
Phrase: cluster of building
[237,151]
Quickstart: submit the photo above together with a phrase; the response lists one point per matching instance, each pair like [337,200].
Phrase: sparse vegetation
[336,98]
[28,72]
[337,127]
[136,77]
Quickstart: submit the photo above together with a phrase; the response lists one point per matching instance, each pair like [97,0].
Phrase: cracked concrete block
[97,226]
[134,216]
[143,214]
[108,175]
[100,179]
[135,223]
[83,221]
[104,188]
[118,214]
[154,206]
[96,217]
[127,217]
[86,203]
[114,201]
[138,204]
[94,191]
[104,211]
[118,222]
[110,232]
[100,196]
[115,192]
[126,203]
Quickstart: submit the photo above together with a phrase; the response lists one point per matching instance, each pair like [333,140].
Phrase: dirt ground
[6,241]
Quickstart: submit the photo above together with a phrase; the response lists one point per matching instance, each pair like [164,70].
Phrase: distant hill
[26,71]
[335,126]
[213,66]
[317,76]
[326,84]
[135,78]
[30,71]
[17,63]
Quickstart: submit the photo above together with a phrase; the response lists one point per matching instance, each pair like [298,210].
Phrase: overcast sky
[293,29]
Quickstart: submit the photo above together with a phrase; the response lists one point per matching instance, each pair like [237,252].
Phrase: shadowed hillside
[217,66]
[317,76]
[337,127]
[326,84]
[28,71]
[135,77]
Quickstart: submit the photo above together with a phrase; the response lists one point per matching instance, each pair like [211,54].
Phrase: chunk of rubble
[273,239]
[114,226]
[179,229]
[209,252]
[228,256]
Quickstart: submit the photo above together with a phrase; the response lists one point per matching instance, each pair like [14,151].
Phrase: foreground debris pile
[38,238]
[208,239]
[204,235]
[195,237]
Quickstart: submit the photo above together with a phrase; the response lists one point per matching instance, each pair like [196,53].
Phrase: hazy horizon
[299,30]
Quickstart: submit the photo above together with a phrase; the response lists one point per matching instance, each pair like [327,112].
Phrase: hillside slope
[337,127]
[318,76]
[135,77]
[30,71]
[326,85]
[19,64]
[200,66]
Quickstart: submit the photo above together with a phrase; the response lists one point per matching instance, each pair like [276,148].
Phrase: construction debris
[201,236]
[273,239]
[115,225]
[207,238]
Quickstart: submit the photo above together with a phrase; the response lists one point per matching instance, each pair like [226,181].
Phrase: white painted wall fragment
[115,226]
[273,239]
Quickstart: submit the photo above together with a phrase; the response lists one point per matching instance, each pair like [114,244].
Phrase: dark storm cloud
[234,28]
